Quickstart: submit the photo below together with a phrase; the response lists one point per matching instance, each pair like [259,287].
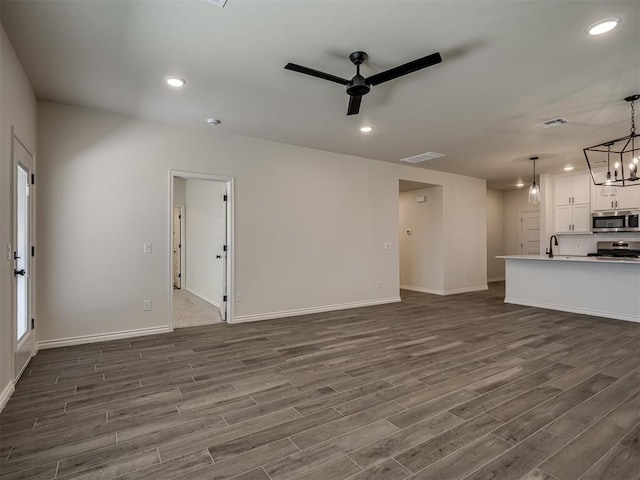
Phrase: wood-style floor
[461,387]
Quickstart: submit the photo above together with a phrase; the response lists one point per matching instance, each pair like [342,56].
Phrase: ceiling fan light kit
[626,157]
[359,86]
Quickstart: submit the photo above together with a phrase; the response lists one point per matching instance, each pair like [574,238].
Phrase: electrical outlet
[387,246]
[378,284]
[467,276]
[238,296]
[147,306]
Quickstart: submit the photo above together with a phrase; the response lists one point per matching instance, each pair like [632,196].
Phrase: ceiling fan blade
[354,104]
[315,73]
[405,69]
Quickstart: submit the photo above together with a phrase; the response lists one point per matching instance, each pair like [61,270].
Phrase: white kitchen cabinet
[573,203]
[573,218]
[572,189]
[624,198]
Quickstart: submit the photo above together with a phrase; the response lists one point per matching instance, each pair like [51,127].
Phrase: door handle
[218,256]
[19,272]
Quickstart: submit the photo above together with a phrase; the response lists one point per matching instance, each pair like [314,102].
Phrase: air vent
[554,122]
[423,157]
[217,3]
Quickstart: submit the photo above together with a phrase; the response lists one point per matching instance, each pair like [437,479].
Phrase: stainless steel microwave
[615,222]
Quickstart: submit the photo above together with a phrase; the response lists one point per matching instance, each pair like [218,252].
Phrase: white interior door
[23,266]
[530,233]
[177,247]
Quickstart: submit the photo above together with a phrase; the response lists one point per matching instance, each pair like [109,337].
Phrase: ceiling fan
[358,85]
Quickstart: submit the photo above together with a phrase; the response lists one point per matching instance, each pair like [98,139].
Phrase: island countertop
[572,258]
[600,287]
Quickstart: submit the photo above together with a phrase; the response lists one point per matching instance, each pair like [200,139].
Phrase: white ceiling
[507,65]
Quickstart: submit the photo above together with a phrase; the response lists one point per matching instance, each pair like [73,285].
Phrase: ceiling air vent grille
[554,122]
[423,157]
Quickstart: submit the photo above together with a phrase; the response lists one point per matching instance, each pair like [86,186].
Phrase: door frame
[182,248]
[31,282]
[229,181]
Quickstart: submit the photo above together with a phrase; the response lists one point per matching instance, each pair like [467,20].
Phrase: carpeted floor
[190,310]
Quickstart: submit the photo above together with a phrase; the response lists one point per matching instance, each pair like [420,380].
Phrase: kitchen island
[602,287]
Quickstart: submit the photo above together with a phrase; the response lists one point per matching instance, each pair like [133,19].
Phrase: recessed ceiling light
[603,26]
[520,184]
[568,168]
[366,129]
[213,121]
[176,81]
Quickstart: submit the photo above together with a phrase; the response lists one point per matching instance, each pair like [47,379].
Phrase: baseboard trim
[307,311]
[208,300]
[101,337]
[496,279]
[564,308]
[6,395]
[454,291]
[432,291]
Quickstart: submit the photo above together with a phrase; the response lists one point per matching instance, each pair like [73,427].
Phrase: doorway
[529,233]
[420,237]
[24,266]
[201,229]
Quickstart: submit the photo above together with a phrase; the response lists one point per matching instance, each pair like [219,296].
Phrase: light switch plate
[9,252]
[148,247]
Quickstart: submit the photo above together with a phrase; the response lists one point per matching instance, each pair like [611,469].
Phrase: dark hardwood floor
[461,387]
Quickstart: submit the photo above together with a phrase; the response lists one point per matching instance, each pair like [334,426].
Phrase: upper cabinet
[624,198]
[572,189]
[573,203]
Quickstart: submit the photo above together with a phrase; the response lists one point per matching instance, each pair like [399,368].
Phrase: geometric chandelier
[622,154]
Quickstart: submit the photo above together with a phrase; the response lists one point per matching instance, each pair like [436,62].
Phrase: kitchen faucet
[550,251]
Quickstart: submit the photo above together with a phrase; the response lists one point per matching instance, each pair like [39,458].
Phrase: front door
[23,265]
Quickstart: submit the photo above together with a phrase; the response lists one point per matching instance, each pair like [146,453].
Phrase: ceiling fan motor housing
[357,86]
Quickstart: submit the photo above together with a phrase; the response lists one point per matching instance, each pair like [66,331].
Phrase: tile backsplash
[575,244]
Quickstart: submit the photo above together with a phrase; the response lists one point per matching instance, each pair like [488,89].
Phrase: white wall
[17,107]
[421,252]
[515,202]
[464,236]
[495,234]
[204,237]
[310,226]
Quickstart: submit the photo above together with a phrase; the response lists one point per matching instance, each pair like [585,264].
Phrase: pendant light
[625,169]
[534,189]
[608,190]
